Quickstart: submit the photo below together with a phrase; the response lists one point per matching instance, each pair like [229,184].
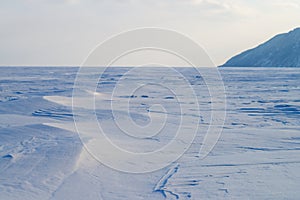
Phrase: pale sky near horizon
[63,32]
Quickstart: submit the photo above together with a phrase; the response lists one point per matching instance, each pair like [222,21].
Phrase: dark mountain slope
[283,50]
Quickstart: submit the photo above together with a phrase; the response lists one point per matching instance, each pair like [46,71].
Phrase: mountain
[283,50]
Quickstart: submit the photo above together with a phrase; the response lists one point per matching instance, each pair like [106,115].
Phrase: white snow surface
[43,157]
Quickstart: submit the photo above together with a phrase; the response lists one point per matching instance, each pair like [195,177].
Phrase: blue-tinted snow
[257,156]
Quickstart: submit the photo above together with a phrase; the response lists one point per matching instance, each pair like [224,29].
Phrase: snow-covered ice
[42,156]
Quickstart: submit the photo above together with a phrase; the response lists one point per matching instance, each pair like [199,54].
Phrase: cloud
[211,4]
[72,1]
[31,28]
[233,8]
[286,4]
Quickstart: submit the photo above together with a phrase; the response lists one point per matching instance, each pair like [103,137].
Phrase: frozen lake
[42,157]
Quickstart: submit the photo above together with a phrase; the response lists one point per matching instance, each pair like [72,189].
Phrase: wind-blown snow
[42,157]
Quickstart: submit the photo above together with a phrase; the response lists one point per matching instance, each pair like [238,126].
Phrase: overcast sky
[63,32]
